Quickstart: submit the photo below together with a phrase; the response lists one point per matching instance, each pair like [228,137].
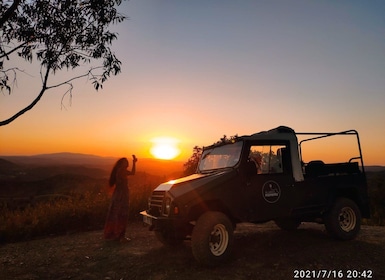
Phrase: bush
[56,216]
[63,214]
[376,186]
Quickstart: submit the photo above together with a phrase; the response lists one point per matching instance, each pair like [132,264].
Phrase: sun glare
[164,148]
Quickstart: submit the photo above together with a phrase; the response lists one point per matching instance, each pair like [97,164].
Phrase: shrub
[62,214]
[376,186]
[55,216]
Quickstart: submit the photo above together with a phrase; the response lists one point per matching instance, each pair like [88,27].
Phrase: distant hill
[374,168]
[8,166]
[63,173]
[61,159]
[151,166]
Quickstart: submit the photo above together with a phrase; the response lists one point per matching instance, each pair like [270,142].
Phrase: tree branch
[6,54]
[74,78]
[8,13]
[69,91]
[30,106]
[61,35]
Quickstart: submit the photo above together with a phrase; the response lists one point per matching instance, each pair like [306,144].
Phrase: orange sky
[200,70]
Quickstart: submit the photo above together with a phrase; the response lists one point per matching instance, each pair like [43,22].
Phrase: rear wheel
[343,221]
[212,238]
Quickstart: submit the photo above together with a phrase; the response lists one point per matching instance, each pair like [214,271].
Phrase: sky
[197,70]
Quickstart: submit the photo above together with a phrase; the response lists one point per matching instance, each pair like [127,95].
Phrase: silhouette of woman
[117,217]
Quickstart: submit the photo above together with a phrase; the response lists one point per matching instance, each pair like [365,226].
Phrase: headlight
[149,203]
[169,207]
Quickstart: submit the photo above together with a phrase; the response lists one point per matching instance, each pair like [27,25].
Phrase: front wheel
[343,221]
[212,238]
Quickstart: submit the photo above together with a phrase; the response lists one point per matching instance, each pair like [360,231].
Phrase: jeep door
[268,181]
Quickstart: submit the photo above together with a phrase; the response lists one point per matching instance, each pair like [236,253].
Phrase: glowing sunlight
[164,148]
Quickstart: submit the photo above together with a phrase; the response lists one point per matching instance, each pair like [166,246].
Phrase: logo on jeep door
[271,191]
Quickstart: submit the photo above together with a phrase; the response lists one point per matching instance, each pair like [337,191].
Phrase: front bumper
[165,223]
[148,219]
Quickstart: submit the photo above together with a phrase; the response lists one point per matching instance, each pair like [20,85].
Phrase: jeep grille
[156,203]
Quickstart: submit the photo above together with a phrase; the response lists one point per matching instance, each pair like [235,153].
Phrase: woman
[117,217]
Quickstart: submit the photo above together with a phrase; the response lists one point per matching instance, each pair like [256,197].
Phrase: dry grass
[61,214]
[83,211]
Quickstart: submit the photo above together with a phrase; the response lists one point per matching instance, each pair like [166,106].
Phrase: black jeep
[259,178]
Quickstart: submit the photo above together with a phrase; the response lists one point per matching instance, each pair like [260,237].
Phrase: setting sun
[164,148]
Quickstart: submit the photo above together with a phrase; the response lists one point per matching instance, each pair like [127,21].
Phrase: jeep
[259,178]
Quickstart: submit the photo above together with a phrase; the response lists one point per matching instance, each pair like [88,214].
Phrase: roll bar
[319,135]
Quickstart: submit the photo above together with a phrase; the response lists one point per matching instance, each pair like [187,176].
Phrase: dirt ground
[260,252]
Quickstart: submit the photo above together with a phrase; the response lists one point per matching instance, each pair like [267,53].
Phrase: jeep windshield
[218,157]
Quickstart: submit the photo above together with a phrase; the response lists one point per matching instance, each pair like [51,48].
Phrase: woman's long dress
[117,217]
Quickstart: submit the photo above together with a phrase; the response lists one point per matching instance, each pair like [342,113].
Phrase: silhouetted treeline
[376,185]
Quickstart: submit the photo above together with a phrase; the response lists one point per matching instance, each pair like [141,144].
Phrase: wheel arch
[210,205]
[353,194]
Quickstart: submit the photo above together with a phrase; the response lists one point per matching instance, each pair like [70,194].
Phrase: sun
[164,148]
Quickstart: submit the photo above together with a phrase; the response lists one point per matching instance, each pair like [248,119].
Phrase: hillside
[25,178]
[260,251]
[150,166]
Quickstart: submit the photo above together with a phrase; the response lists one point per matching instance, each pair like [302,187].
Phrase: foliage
[376,186]
[72,213]
[59,35]
[226,140]
[192,163]
[57,216]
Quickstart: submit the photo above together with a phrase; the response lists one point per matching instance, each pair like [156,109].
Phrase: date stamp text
[332,274]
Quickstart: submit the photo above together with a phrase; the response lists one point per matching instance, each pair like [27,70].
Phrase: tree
[192,163]
[226,140]
[59,35]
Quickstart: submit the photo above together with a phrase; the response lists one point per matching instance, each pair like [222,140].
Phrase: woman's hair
[117,165]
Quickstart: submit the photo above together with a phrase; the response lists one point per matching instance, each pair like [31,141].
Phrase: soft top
[282,133]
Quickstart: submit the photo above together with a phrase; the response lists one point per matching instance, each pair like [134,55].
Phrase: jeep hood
[194,182]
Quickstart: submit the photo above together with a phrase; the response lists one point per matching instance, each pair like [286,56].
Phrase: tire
[212,239]
[168,239]
[343,221]
[288,224]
